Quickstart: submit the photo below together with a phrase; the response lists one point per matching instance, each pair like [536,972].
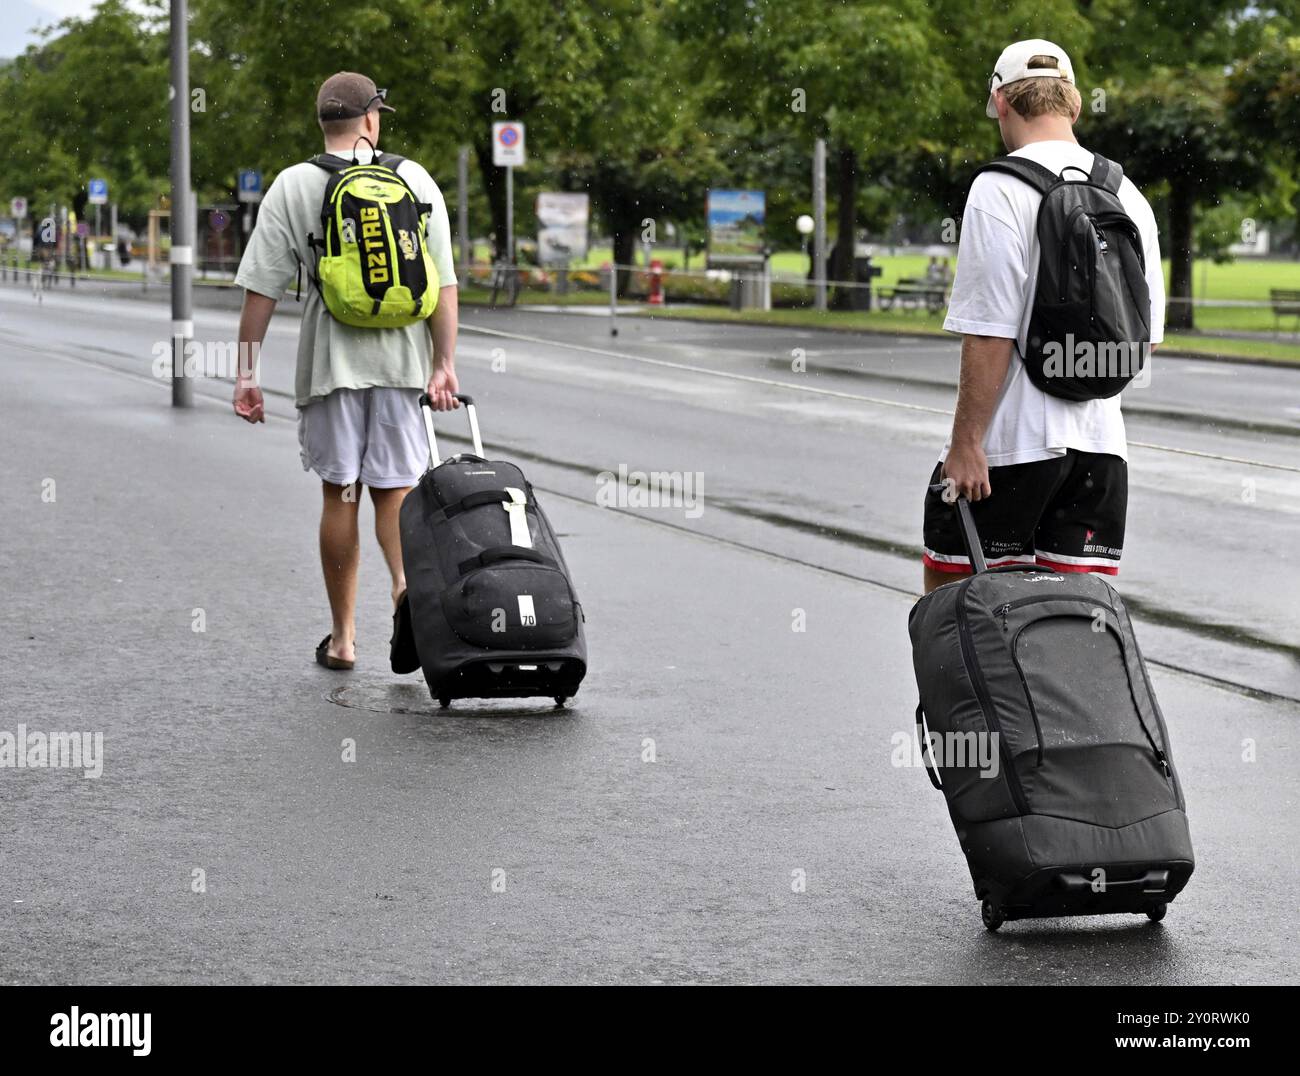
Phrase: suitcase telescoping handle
[426,410]
[969,535]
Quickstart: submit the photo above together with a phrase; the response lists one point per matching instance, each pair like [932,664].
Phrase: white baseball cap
[1013,65]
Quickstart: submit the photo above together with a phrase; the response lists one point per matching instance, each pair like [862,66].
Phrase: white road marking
[833,393]
[1199,368]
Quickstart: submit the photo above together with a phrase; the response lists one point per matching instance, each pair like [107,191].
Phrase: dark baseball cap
[346,95]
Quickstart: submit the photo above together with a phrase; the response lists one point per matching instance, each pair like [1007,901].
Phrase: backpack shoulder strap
[328,162]
[389,160]
[1031,172]
[1105,173]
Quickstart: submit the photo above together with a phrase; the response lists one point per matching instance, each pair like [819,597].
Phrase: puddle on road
[391,698]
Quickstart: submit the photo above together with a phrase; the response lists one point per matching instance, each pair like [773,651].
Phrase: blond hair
[1039,96]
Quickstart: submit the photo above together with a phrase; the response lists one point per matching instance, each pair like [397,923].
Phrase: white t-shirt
[993,293]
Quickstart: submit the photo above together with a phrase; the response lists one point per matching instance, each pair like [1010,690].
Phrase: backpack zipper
[1029,698]
[1065,249]
[1092,288]
[1125,223]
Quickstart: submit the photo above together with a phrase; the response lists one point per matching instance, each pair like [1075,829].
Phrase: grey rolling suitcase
[1040,726]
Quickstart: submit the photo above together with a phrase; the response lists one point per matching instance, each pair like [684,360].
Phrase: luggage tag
[517,509]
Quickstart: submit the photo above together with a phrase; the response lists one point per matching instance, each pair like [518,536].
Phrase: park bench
[1286,304]
[913,293]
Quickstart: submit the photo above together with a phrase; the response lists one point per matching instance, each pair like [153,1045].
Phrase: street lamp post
[182,221]
[819,223]
[805,224]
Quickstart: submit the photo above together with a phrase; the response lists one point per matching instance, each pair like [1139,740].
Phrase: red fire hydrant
[656,283]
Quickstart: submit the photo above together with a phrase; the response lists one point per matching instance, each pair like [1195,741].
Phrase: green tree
[642,149]
[535,63]
[863,76]
[1168,122]
[261,64]
[1173,128]
[1264,103]
[90,100]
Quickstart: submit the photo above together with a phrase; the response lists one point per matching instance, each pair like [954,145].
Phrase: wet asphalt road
[771,748]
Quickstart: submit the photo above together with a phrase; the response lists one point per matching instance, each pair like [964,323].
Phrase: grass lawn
[1240,279]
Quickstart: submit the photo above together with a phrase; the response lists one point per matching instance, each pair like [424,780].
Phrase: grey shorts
[374,434]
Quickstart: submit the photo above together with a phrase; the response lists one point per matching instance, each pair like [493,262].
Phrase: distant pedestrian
[378,328]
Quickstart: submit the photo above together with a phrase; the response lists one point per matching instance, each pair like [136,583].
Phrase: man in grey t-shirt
[356,389]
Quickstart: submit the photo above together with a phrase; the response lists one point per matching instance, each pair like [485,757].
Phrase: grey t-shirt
[332,355]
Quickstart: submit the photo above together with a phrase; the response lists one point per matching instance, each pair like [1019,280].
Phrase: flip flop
[323,656]
[402,655]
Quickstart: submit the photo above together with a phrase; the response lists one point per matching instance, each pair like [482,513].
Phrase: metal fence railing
[750,289]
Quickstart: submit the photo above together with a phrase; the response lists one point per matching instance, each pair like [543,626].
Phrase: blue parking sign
[98,191]
[250,185]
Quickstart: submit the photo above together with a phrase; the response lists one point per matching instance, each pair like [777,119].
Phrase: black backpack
[1090,330]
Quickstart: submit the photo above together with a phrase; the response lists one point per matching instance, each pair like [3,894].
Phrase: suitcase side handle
[969,535]
[923,736]
[1153,881]
[426,410]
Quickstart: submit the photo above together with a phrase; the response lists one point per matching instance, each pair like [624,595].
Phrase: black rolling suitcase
[490,610]
[1039,725]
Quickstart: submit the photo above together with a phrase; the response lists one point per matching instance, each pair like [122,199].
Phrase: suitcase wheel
[1157,912]
[444,701]
[560,700]
[992,915]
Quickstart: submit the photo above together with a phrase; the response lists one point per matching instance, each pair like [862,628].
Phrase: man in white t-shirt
[1047,477]
[356,389]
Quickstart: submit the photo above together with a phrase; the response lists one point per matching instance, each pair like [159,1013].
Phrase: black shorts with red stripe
[1066,513]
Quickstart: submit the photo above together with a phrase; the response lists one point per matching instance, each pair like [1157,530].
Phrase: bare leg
[340,556]
[388,505]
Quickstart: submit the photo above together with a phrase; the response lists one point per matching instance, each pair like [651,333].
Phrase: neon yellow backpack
[373,268]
